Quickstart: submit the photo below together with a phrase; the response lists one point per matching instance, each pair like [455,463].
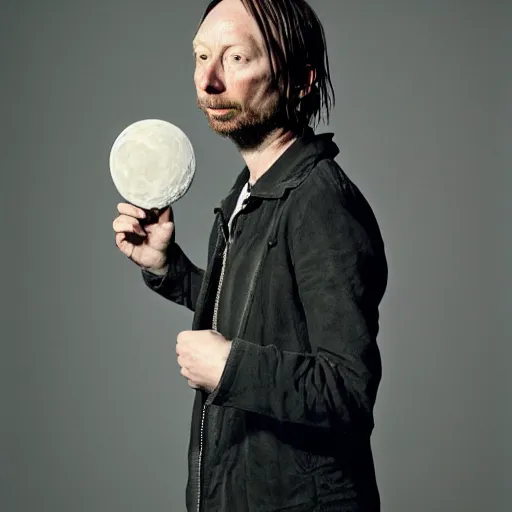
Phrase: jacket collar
[289,170]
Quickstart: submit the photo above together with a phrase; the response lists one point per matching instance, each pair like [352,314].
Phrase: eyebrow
[252,40]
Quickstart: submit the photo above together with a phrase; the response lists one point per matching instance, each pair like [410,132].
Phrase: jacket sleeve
[181,283]
[340,272]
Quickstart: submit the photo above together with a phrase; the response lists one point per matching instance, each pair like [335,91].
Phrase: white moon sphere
[152,163]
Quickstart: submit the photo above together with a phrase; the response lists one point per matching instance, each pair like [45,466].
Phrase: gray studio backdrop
[94,413]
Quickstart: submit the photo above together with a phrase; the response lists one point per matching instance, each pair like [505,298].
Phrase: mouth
[220,111]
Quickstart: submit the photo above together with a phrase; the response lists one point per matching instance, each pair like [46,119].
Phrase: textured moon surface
[152,163]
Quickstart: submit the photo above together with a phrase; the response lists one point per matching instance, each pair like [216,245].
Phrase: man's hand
[148,248]
[202,356]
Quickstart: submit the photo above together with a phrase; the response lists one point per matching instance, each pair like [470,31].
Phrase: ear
[310,80]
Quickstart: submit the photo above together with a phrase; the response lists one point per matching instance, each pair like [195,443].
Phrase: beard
[248,128]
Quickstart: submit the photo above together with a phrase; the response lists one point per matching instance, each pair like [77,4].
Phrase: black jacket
[289,426]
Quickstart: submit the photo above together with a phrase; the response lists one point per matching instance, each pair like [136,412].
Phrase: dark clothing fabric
[289,426]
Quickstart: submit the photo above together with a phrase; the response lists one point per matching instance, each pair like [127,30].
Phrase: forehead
[229,23]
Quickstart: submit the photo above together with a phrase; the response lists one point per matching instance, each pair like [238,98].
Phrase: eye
[236,58]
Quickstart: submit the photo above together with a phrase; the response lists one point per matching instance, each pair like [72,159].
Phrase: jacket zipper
[214,327]
[229,240]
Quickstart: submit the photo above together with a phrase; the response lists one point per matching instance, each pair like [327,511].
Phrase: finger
[125,224]
[124,220]
[127,218]
[131,210]
[123,245]
[191,383]
[182,337]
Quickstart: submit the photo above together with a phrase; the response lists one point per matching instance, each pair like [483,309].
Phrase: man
[282,351]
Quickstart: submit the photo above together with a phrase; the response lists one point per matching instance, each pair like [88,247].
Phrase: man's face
[233,74]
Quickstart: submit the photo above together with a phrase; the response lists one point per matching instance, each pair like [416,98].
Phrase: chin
[223,127]
[223,131]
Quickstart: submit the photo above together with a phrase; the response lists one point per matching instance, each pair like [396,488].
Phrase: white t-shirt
[244,195]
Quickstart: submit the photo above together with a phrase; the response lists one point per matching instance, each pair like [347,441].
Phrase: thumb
[164,231]
[161,228]
[167,226]
[166,216]
[160,235]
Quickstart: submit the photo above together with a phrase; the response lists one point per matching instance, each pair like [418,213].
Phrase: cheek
[197,78]
[254,89]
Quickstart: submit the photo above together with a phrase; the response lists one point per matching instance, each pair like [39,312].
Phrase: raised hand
[145,243]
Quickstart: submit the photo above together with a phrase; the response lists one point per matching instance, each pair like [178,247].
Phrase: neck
[260,159]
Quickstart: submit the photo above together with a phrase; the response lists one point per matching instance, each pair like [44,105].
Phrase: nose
[209,78]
